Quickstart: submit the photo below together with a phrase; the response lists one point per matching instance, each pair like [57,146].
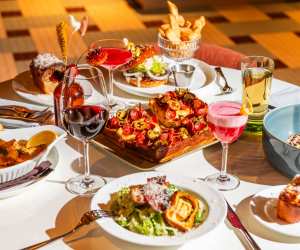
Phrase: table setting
[170,145]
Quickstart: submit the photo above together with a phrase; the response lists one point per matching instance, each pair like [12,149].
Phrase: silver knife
[235,222]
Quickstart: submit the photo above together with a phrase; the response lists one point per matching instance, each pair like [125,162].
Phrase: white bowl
[18,170]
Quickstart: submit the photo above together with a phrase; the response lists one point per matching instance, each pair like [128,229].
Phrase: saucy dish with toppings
[13,152]
[158,208]
[171,125]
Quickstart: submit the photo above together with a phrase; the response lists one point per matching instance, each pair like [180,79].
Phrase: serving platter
[263,209]
[133,159]
[204,75]
[23,85]
[216,204]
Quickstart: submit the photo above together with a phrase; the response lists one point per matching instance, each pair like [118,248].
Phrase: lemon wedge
[45,137]
[246,107]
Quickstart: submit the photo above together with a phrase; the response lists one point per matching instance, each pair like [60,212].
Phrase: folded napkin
[42,169]
[219,56]
[287,96]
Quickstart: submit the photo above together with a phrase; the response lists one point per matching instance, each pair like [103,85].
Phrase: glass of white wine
[257,72]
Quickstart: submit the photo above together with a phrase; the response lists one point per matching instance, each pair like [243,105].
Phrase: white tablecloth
[48,209]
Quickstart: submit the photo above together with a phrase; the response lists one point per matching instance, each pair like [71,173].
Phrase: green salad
[150,209]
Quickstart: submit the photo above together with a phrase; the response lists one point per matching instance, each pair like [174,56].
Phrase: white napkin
[12,123]
[287,96]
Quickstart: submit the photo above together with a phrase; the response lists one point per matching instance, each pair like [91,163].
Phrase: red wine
[85,122]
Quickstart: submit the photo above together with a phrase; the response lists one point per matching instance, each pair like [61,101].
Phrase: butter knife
[235,222]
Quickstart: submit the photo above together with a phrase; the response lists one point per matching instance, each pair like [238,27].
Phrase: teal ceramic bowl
[278,125]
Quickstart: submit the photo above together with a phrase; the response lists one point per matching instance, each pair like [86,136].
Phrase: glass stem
[223,173]
[111,86]
[87,178]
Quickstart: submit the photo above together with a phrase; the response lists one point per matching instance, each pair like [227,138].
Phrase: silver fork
[86,219]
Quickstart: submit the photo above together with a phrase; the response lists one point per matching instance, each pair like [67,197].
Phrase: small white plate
[215,201]
[203,76]
[23,85]
[53,157]
[263,208]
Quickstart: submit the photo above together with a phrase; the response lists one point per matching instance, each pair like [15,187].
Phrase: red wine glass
[82,120]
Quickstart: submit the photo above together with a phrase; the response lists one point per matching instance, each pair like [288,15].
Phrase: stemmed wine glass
[227,123]
[117,54]
[82,120]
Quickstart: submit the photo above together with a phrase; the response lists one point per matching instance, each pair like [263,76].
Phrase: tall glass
[257,74]
[117,54]
[82,120]
[227,124]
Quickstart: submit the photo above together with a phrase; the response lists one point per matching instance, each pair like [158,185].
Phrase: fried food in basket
[180,30]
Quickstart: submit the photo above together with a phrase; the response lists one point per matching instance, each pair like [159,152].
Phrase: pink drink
[225,120]
[116,57]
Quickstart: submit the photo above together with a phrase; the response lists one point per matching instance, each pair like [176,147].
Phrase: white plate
[203,76]
[18,170]
[18,189]
[215,201]
[263,208]
[23,85]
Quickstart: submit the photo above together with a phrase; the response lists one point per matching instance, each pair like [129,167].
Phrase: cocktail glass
[227,124]
[117,55]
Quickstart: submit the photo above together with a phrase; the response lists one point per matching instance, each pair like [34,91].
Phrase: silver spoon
[226,88]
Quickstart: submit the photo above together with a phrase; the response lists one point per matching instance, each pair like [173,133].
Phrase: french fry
[165,26]
[173,36]
[173,8]
[178,29]
[194,35]
[199,23]
[180,20]
[187,24]
[185,34]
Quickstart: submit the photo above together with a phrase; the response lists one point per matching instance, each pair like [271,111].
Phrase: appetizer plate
[53,157]
[215,201]
[203,76]
[18,170]
[23,85]
[263,208]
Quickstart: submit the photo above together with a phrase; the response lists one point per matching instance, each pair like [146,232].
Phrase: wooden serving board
[132,158]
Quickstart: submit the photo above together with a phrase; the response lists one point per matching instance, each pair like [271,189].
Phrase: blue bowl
[278,125]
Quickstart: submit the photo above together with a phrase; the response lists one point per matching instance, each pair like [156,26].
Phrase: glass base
[254,126]
[228,182]
[79,185]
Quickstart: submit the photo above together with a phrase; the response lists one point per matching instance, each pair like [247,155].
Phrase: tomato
[183,105]
[140,138]
[164,136]
[154,119]
[170,114]
[197,104]
[113,122]
[198,126]
[191,128]
[127,129]
[200,111]
[185,121]
[134,114]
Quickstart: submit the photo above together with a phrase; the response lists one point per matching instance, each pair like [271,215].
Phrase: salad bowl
[215,203]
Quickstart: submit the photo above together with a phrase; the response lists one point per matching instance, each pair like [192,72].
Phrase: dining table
[48,209]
